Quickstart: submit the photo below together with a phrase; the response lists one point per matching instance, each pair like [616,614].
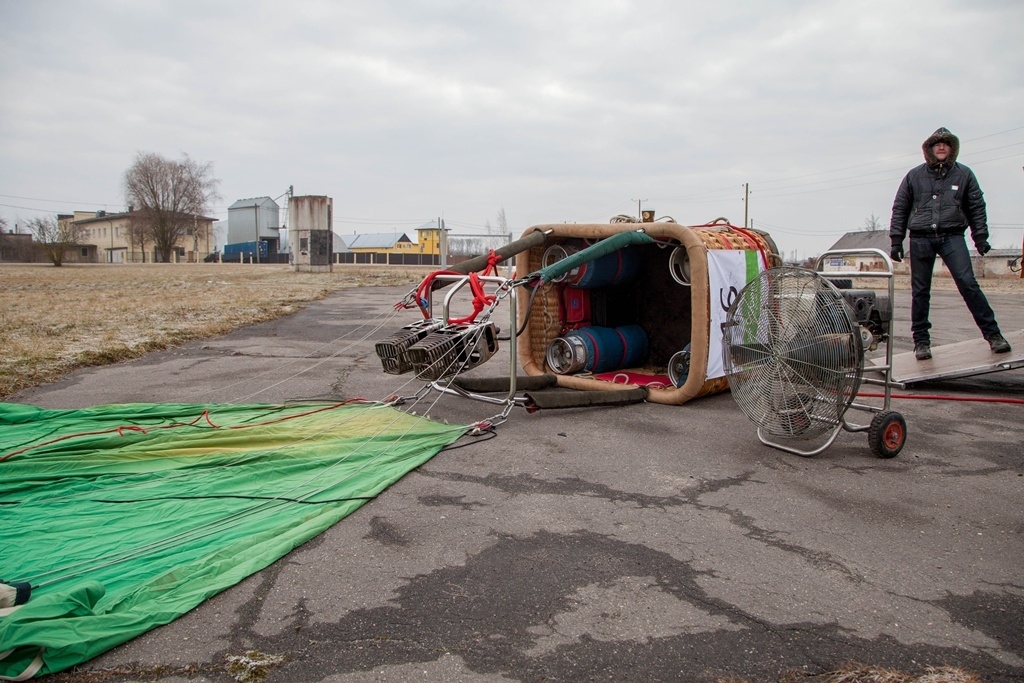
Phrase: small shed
[863,239]
[255,219]
[378,242]
[310,237]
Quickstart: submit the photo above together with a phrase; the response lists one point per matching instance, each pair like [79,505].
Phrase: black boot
[998,344]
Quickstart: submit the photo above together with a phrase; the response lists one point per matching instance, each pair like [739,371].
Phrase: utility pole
[639,211]
[443,243]
[110,254]
[256,211]
[746,204]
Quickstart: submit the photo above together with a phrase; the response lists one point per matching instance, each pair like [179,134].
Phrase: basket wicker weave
[543,324]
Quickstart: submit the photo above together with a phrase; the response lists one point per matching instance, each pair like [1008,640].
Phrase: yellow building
[428,241]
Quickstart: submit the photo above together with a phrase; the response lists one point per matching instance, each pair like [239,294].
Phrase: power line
[864,175]
[769,193]
[902,156]
[59,201]
[385,221]
[26,208]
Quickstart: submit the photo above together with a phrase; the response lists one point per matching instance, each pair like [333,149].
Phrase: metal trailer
[953,361]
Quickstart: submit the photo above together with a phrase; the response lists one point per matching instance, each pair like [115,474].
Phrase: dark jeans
[952,249]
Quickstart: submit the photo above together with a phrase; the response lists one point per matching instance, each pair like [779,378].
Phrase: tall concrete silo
[310,233]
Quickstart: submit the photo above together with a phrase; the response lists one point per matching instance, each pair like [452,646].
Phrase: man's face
[941,150]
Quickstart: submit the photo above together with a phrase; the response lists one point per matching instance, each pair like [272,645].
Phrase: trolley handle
[889,272]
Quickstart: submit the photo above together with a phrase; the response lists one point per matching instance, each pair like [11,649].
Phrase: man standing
[937,202]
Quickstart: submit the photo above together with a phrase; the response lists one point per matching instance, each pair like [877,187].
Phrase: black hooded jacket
[939,198]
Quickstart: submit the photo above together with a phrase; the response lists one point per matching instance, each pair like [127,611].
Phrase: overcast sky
[406,110]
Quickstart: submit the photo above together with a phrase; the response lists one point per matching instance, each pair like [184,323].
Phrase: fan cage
[793,353]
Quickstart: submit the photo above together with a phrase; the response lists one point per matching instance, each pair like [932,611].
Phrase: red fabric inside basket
[638,378]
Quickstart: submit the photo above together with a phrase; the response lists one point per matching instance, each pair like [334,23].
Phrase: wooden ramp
[962,359]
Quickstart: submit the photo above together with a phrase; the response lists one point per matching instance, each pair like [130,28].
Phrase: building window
[303,244]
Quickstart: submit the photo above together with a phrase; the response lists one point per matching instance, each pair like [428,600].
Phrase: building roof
[879,239]
[864,239]
[253,201]
[386,241]
[102,217]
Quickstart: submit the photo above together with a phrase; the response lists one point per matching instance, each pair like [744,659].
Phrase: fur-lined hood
[941,135]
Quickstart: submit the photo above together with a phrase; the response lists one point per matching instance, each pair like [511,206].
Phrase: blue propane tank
[597,349]
[616,268]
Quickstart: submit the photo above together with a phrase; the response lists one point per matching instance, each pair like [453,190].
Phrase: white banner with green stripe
[728,272]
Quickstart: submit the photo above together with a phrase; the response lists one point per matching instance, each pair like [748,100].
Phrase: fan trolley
[794,347]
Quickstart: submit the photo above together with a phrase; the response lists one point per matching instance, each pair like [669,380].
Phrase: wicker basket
[673,314]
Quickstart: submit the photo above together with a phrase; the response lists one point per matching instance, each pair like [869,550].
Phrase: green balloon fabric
[124,517]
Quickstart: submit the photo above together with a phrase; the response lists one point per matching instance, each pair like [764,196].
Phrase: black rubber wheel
[888,434]
[841,282]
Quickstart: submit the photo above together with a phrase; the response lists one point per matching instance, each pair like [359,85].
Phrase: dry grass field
[53,320]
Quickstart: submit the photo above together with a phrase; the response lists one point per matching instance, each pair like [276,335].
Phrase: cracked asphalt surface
[640,543]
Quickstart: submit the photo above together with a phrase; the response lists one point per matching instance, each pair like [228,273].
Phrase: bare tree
[137,232]
[56,236]
[168,195]
[873,223]
[502,222]
[5,241]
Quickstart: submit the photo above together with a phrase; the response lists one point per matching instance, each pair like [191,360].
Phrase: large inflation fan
[794,357]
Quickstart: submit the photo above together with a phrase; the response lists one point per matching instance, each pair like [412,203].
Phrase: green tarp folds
[124,517]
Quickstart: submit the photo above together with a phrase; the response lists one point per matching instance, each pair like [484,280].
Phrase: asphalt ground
[638,543]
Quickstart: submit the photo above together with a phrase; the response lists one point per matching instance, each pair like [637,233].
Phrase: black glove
[983,247]
[896,253]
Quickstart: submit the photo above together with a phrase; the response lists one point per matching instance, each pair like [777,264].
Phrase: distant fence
[250,257]
[386,259]
[359,259]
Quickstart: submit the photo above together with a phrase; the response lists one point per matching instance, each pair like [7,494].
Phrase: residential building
[109,238]
[381,243]
[428,241]
[16,247]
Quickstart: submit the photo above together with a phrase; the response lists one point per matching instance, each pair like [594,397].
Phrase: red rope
[424,290]
[754,241]
[492,264]
[205,415]
[938,397]
[480,300]
[749,237]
